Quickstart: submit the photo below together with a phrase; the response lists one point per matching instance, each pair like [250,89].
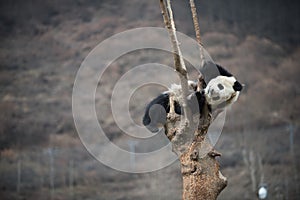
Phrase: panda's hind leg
[156,112]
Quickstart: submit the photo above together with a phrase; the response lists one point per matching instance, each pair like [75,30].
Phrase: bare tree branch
[195,21]
[197,30]
[178,58]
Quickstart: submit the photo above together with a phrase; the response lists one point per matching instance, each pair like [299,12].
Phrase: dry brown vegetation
[42,46]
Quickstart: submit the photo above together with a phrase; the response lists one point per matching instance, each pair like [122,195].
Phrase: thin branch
[197,30]
[165,14]
[178,58]
[195,21]
[261,169]
[179,62]
[252,170]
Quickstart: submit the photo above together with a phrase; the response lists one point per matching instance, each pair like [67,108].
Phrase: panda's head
[222,89]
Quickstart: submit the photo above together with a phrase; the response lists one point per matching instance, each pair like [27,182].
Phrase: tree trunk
[202,178]
[200,170]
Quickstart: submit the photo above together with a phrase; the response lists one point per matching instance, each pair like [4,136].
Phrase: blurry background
[42,46]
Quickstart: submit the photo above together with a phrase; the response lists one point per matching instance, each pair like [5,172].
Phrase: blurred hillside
[42,46]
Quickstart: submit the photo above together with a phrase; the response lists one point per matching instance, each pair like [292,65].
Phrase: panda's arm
[196,102]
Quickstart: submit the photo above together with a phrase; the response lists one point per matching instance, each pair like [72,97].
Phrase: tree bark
[178,59]
[197,30]
[200,170]
[201,177]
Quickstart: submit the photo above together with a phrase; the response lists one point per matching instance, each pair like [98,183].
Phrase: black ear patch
[223,71]
[211,70]
[237,86]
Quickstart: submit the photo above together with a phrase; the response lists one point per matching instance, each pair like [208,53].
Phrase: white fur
[176,91]
[216,95]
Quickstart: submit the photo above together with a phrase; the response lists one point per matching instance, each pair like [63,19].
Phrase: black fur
[155,116]
[211,70]
[237,86]
[162,99]
[223,72]
[196,102]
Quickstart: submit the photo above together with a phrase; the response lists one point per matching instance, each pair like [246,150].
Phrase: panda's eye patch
[220,86]
[216,98]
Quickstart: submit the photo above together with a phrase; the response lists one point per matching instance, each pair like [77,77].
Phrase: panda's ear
[237,86]
[223,71]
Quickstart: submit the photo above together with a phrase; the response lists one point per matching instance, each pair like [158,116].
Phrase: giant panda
[156,111]
[221,90]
